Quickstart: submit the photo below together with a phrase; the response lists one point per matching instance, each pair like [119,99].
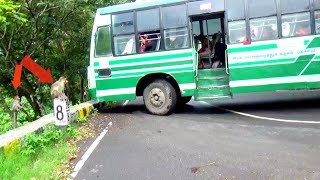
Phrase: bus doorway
[212,80]
[209,40]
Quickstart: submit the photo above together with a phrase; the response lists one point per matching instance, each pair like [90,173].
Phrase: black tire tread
[171,98]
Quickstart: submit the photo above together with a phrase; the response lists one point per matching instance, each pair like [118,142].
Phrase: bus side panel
[126,71]
[285,64]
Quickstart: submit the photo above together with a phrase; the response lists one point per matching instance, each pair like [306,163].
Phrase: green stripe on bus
[96,64]
[252,48]
[118,83]
[266,62]
[314,43]
[306,42]
[313,68]
[155,64]
[317,57]
[150,58]
[306,57]
[117,97]
[114,83]
[269,71]
[92,93]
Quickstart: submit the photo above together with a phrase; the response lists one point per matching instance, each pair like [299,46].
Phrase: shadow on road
[243,106]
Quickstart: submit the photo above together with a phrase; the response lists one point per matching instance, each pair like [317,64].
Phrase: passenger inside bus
[302,30]
[149,41]
[211,51]
[145,43]
[219,49]
[204,52]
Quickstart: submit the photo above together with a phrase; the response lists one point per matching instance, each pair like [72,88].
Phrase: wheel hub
[157,97]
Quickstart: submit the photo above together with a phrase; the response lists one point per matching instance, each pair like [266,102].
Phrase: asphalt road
[217,144]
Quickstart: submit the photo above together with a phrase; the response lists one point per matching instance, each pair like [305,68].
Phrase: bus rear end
[100,53]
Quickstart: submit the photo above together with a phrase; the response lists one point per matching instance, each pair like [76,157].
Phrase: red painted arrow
[43,75]
[17,76]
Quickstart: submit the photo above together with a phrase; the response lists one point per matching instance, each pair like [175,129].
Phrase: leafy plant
[82,119]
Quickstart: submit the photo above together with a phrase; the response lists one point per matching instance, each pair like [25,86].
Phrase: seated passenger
[145,44]
[204,44]
[302,31]
[205,49]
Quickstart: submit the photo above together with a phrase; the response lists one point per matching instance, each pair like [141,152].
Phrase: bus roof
[136,5]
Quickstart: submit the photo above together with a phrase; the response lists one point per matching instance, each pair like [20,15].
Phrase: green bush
[6,123]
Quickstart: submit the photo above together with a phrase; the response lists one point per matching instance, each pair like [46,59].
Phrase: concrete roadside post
[61,112]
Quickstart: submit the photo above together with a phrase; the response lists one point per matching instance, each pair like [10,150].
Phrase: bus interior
[209,40]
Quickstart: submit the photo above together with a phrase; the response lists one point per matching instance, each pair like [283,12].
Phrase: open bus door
[208,29]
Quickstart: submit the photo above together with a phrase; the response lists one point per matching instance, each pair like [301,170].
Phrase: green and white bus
[152,49]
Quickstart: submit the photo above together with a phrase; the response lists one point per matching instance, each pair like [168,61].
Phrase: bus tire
[184,100]
[160,97]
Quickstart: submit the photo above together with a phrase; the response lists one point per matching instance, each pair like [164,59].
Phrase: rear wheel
[160,97]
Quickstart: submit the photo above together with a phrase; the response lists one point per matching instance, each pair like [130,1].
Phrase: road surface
[204,141]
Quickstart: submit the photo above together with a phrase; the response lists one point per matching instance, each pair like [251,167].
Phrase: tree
[54,33]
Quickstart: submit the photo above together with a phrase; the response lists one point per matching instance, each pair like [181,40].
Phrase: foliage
[82,119]
[6,114]
[45,165]
[54,33]
[35,142]
[44,154]
[8,13]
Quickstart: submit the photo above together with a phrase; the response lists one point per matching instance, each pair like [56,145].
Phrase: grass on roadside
[44,155]
[47,164]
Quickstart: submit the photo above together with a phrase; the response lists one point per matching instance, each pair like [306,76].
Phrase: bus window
[123,34]
[214,26]
[123,23]
[316,4]
[262,8]
[175,27]
[196,27]
[176,38]
[235,9]
[237,31]
[293,6]
[296,24]
[174,16]
[263,28]
[103,47]
[317,18]
[148,25]
[124,45]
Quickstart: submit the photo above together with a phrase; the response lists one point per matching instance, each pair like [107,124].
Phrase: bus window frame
[177,27]
[227,21]
[277,31]
[95,41]
[137,32]
[310,22]
[162,47]
[113,36]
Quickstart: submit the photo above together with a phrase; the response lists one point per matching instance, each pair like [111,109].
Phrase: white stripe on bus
[278,80]
[162,53]
[153,69]
[132,90]
[151,62]
[141,75]
[189,86]
[110,92]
